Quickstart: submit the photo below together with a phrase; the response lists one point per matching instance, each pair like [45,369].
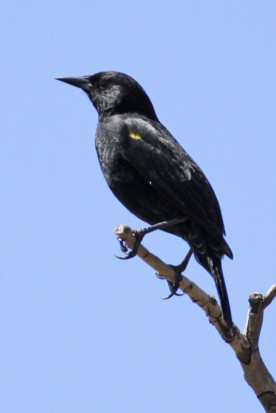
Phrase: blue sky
[80,330]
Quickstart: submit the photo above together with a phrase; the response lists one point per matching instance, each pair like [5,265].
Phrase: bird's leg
[140,233]
[178,270]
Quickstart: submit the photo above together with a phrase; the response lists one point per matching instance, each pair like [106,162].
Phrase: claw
[123,246]
[131,254]
[127,256]
[124,249]
[160,276]
[138,238]
[178,270]
[174,287]
[171,295]
[171,286]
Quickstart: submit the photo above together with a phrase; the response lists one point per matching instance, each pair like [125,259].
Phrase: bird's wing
[163,163]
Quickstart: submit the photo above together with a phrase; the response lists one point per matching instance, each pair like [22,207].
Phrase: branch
[245,345]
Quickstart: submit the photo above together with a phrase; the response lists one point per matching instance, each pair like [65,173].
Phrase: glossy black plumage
[151,174]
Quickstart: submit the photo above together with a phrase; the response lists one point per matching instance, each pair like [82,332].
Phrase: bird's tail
[216,270]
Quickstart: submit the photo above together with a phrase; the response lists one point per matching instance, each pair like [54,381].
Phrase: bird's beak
[82,82]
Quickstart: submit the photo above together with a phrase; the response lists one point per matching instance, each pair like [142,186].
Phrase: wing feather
[163,163]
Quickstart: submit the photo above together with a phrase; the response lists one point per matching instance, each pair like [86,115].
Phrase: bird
[152,175]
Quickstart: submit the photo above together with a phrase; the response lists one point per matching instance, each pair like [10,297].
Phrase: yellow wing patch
[134,136]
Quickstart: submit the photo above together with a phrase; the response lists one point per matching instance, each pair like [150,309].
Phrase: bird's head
[114,93]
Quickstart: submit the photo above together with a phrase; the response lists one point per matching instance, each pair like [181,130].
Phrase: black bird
[152,175]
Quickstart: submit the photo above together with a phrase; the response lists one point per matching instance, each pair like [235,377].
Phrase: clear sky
[82,331]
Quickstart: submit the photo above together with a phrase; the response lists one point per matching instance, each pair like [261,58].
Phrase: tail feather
[227,251]
[216,271]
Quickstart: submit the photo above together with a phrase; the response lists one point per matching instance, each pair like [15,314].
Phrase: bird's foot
[174,287]
[139,235]
[178,270]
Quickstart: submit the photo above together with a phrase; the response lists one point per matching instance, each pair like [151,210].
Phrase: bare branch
[245,345]
[269,296]
[254,319]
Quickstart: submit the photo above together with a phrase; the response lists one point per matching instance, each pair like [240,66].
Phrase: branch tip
[269,296]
